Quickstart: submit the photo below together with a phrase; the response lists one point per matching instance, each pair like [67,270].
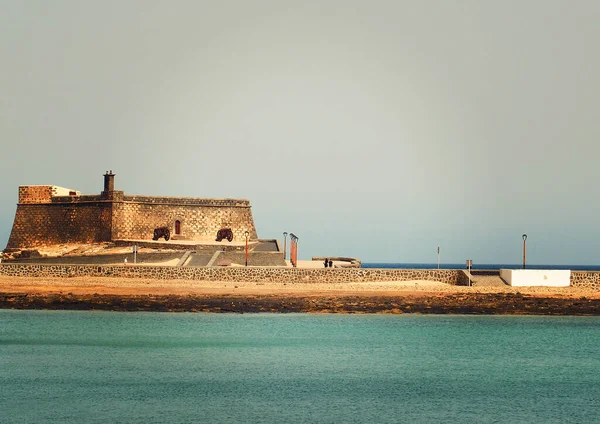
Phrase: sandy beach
[383,297]
[130,286]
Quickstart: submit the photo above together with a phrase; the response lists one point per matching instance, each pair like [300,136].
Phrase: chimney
[109,181]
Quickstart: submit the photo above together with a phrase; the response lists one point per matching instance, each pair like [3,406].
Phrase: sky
[372,129]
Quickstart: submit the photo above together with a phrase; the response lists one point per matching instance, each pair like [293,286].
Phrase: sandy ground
[131,286]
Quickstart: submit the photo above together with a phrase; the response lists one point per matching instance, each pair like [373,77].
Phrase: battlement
[77,198]
[192,201]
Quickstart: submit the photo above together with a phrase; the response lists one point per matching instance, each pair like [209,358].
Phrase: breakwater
[583,279]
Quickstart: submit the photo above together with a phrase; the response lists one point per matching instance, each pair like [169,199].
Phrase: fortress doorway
[177,227]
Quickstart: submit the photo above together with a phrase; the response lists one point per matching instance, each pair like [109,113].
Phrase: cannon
[161,232]
[224,233]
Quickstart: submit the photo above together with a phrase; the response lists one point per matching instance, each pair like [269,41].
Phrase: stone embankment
[582,279]
[233,274]
[586,279]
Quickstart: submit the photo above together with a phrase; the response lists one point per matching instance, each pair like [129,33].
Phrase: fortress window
[177,227]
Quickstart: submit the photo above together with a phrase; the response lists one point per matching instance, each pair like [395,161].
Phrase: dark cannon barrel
[224,233]
[162,232]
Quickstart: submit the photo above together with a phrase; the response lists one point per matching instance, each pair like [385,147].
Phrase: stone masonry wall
[44,193]
[586,279]
[45,224]
[233,274]
[48,215]
[35,194]
[200,219]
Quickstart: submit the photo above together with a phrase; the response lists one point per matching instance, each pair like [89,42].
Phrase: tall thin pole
[293,249]
[524,250]
[247,248]
[469,264]
[438,257]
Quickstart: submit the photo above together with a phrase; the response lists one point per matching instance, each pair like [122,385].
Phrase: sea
[147,367]
[476,266]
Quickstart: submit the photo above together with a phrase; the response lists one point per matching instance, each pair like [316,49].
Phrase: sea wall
[583,279]
[234,274]
[586,279]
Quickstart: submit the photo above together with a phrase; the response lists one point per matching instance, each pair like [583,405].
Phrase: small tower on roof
[109,185]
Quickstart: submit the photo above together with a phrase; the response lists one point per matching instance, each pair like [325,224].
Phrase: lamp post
[246,234]
[293,249]
[524,250]
[284,243]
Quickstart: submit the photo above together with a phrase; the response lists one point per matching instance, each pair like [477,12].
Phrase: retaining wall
[584,279]
[234,274]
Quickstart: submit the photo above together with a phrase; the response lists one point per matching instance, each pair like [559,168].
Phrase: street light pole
[294,250]
[247,234]
[524,250]
[284,243]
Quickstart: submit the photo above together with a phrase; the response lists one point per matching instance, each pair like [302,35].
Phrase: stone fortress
[50,215]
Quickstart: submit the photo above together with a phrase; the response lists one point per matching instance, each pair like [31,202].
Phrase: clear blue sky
[379,130]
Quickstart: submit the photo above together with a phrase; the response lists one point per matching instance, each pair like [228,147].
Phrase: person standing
[326,263]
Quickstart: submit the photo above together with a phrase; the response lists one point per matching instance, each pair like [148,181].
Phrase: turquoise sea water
[80,367]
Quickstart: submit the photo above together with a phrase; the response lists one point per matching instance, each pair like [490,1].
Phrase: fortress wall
[77,198]
[189,201]
[232,274]
[43,193]
[137,217]
[44,224]
[35,194]
[49,215]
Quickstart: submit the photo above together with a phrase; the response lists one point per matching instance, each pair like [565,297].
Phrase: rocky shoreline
[425,303]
